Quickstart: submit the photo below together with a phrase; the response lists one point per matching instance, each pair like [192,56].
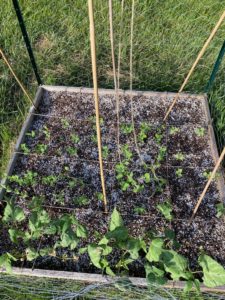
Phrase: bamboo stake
[208,183]
[131,80]
[95,82]
[195,64]
[120,43]
[17,79]
[114,74]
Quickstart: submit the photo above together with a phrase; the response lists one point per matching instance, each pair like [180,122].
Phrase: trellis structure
[116,82]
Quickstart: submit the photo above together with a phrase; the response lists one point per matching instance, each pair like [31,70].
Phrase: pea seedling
[140,210]
[126,128]
[24,148]
[71,150]
[200,131]
[41,148]
[105,152]
[144,129]
[173,130]
[166,210]
[46,132]
[179,173]
[75,138]
[179,156]
[65,123]
[31,133]
[82,200]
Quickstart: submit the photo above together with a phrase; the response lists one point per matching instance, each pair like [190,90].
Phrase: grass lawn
[167,38]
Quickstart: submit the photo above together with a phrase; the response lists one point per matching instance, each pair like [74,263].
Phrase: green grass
[167,37]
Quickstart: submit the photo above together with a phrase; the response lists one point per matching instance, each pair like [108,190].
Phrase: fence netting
[32,288]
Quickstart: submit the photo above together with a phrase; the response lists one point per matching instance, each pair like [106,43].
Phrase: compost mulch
[72,113]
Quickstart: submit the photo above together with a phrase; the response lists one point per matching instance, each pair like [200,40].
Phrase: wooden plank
[213,146]
[90,278]
[25,128]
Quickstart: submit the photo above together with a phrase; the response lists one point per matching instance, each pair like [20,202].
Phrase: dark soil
[64,145]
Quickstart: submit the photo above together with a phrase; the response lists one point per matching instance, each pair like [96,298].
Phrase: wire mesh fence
[31,288]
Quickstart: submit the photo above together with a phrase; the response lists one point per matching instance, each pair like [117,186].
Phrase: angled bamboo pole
[95,83]
[208,183]
[17,79]
[195,64]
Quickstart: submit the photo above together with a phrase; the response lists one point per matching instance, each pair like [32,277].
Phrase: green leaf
[82,250]
[13,213]
[103,241]
[166,209]
[176,265]
[213,272]
[81,231]
[170,234]
[155,250]
[154,275]
[31,254]
[6,261]
[188,286]
[133,247]
[94,251]
[69,239]
[50,230]
[147,177]
[14,234]
[119,234]
[220,209]
[106,250]
[116,220]
[109,271]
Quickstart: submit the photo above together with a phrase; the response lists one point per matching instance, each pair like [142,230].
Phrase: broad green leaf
[134,246]
[69,239]
[155,250]
[106,250]
[154,275]
[166,210]
[14,234]
[120,234]
[116,220]
[31,254]
[6,261]
[213,272]
[103,241]
[51,229]
[170,234]
[82,250]
[94,251]
[13,213]
[109,271]
[175,264]
[45,251]
[81,231]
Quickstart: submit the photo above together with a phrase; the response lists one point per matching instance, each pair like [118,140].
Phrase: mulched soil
[55,150]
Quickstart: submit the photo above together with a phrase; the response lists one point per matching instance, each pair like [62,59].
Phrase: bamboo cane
[195,64]
[95,83]
[207,184]
[17,79]
[114,74]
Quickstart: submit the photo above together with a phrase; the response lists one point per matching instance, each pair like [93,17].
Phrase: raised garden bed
[55,173]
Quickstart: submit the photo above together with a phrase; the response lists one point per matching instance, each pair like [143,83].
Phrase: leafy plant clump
[159,257]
